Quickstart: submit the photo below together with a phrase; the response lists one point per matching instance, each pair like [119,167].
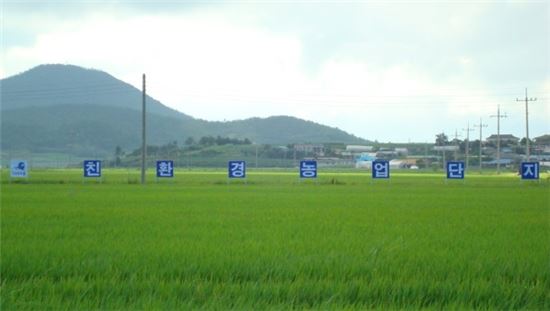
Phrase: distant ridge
[66,108]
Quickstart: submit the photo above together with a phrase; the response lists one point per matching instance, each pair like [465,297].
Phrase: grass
[341,243]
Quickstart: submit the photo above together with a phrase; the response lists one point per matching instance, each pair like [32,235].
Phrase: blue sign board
[308,169]
[19,168]
[236,169]
[380,169]
[92,168]
[530,170]
[165,168]
[455,170]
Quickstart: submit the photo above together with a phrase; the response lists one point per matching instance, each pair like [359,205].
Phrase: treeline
[218,140]
[172,150]
[208,150]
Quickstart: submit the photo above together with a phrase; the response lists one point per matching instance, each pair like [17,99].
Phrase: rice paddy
[274,242]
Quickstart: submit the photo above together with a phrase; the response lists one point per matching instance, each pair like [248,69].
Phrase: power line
[96,86]
[337,100]
[99,86]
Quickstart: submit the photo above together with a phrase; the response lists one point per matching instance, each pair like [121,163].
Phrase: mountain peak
[60,84]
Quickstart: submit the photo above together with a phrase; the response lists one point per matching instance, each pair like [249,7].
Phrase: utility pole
[468,130]
[481,126]
[444,155]
[527,100]
[456,144]
[256,156]
[498,116]
[294,157]
[426,154]
[143,141]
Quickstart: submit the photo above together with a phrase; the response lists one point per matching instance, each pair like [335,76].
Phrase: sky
[391,71]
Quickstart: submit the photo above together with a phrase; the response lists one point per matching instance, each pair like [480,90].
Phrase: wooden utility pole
[256,156]
[527,100]
[498,116]
[481,126]
[457,145]
[468,130]
[143,136]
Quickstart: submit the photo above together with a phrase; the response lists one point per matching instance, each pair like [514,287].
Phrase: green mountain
[65,108]
[53,85]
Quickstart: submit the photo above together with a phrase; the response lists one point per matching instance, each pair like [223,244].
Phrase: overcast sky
[386,71]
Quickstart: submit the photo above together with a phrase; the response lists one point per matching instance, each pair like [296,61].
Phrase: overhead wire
[69,93]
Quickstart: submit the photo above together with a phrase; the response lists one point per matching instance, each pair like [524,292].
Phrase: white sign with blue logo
[19,169]
[236,169]
[92,168]
[165,168]
[308,169]
[380,169]
[529,170]
[455,170]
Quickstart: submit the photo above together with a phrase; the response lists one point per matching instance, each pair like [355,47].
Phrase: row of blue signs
[92,168]
[308,169]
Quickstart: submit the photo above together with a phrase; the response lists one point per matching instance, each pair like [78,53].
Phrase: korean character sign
[455,170]
[530,170]
[308,169]
[92,168]
[236,169]
[165,169]
[19,169]
[380,169]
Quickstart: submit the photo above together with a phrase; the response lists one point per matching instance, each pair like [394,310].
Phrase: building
[364,160]
[402,163]
[402,151]
[504,139]
[387,154]
[359,148]
[542,141]
[317,150]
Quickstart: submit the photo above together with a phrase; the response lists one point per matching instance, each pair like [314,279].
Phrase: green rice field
[343,242]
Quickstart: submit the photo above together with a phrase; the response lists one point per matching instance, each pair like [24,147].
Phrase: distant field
[344,242]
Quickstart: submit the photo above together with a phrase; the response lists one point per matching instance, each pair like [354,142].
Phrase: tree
[523,141]
[207,140]
[421,163]
[441,139]
[118,155]
[190,141]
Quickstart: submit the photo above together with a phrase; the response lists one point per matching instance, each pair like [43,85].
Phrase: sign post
[19,169]
[380,169]
[236,170]
[455,170]
[92,169]
[308,169]
[165,169]
[530,170]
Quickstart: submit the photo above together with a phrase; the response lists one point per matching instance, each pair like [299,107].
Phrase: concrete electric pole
[143,138]
[527,100]
[468,130]
[457,146]
[481,126]
[498,116]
